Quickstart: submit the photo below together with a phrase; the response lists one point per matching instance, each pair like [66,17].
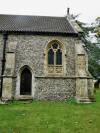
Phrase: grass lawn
[50,117]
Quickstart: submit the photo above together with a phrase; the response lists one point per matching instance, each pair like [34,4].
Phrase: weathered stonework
[83,78]
[7,89]
[1,49]
[54,88]
[30,51]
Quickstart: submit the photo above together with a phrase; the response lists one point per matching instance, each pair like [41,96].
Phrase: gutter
[5,37]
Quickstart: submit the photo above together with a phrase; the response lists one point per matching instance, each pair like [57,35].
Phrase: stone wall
[29,50]
[1,52]
[84,82]
[54,88]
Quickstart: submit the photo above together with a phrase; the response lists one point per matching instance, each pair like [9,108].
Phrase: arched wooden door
[25,82]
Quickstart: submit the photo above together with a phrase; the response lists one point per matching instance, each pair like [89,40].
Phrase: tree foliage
[92,49]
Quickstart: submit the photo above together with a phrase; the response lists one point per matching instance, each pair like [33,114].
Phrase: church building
[43,58]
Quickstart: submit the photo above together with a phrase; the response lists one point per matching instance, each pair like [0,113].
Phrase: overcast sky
[88,9]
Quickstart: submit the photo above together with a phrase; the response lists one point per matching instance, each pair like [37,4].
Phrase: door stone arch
[25,82]
[21,92]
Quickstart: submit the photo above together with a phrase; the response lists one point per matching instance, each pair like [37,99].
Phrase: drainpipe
[5,37]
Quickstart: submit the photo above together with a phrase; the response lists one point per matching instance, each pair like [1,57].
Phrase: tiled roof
[45,24]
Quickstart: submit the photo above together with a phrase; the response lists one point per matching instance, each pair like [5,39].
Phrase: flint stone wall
[29,50]
[54,88]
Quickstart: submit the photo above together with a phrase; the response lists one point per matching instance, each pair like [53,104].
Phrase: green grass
[50,117]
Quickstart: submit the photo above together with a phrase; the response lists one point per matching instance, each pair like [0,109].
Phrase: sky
[88,9]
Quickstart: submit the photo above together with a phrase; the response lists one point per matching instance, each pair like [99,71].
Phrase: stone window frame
[55,70]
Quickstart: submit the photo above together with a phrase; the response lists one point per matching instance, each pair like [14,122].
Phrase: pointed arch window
[54,58]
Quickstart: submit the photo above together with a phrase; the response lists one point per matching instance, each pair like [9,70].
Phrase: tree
[92,49]
[97,27]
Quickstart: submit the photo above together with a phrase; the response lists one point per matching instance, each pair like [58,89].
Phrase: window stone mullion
[54,61]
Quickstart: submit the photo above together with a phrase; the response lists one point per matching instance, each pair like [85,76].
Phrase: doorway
[25,82]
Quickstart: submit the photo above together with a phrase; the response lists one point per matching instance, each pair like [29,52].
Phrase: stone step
[24,97]
[83,100]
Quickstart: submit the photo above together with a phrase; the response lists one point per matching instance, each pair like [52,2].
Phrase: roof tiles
[23,23]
